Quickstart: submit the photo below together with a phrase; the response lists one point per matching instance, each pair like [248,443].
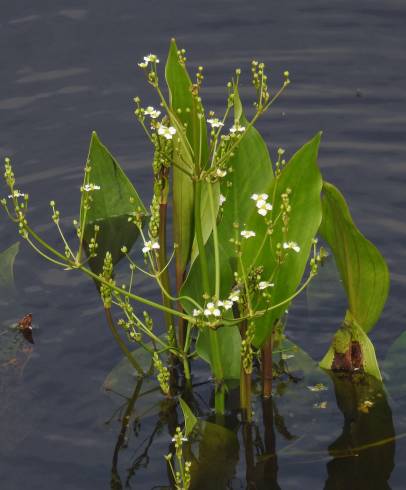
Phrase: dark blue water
[67,68]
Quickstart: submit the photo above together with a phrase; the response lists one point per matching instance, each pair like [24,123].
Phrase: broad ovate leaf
[111,206]
[362,268]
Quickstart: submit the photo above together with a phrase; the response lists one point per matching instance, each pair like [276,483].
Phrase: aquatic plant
[245,238]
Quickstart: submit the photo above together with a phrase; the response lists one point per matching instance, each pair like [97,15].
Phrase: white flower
[247,233]
[143,64]
[151,58]
[237,129]
[234,295]
[16,193]
[222,199]
[292,245]
[91,187]
[215,123]
[212,310]
[228,304]
[263,207]
[196,312]
[148,246]
[259,197]
[150,111]
[184,439]
[221,173]
[265,284]
[166,132]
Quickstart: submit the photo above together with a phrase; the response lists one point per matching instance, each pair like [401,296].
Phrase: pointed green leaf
[302,176]
[110,206]
[362,268]
[189,416]
[187,115]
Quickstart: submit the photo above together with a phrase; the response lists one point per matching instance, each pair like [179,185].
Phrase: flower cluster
[166,132]
[236,128]
[151,58]
[214,308]
[292,246]
[247,234]
[215,123]
[149,246]
[151,112]
[262,204]
[90,188]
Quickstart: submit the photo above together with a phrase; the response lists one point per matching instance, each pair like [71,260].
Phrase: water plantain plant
[245,231]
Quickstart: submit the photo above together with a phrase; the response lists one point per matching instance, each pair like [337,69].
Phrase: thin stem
[99,279]
[121,343]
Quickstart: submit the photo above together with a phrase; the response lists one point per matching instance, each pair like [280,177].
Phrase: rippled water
[70,67]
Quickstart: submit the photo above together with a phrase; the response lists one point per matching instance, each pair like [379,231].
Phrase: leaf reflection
[359,461]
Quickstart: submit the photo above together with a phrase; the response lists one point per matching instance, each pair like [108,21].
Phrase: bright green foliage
[7,258]
[362,268]
[189,416]
[111,206]
[364,274]
[187,116]
[302,176]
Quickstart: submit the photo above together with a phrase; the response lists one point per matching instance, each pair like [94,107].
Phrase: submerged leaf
[218,452]
[110,207]
[7,258]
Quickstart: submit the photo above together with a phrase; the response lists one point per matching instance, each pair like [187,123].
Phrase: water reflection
[364,454]
[242,455]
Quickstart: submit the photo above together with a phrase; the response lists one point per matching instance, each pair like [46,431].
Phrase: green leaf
[190,151]
[188,415]
[110,207]
[7,258]
[362,268]
[341,350]
[302,176]
[230,350]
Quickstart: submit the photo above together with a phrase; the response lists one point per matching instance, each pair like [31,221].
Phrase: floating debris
[365,406]
[285,357]
[25,327]
[321,405]
[318,387]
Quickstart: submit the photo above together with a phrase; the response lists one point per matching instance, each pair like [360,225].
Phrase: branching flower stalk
[204,165]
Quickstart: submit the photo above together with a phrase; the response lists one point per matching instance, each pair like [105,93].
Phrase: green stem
[121,343]
[162,263]
[117,289]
